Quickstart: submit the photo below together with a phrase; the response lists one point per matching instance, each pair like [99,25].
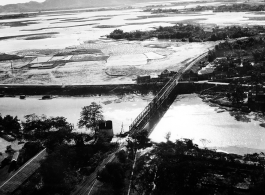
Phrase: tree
[236,95]
[122,156]
[114,174]
[90,117]
[168,135]
[51,132]
[10,124]
[29,150]
[168,170]
[117,34]
[59,137]
[141,139]
[211,55]
[138,34]
[57,171]
[34,122]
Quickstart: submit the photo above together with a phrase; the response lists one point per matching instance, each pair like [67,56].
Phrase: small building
[166,74]
[256,98]
[143,79]
[105,131]
[190,75]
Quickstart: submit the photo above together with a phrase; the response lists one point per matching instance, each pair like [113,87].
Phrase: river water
[121,110]
[190,117]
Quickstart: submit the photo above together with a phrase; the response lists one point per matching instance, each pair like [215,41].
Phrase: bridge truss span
[142,119]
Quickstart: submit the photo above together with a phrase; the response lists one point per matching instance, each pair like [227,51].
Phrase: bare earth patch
[102,62]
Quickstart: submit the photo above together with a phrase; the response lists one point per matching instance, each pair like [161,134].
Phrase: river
[190,117]
[121,110]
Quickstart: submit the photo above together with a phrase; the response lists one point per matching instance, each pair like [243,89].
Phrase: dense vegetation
[249,53]
[239,62]
[157,11]
[117,174]
[9,125]
[182,168]
[168,168]
[71,156]
[231,8]
[240,7]
[191,33]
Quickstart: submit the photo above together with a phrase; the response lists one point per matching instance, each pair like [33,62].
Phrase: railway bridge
[86,187]
[143,118]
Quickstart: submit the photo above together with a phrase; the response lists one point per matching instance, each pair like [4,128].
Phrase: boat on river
[46,97]
[22,97]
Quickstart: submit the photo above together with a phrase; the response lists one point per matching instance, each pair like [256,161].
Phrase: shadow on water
[248,117]
[154,120]
[240,116]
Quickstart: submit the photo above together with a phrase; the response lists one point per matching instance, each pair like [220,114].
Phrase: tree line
[182,167]
[191,33]
[240,7]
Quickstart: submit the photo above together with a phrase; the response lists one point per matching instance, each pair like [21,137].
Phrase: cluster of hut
[165,76]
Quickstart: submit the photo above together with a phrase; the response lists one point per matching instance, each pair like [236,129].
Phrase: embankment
[76,90]
[187,88]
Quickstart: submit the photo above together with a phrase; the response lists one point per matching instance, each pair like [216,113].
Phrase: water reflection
[190,117]
[239,116]
[119,109]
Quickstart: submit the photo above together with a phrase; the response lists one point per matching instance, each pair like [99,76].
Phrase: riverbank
[121,109]
[79,90]
[83,89]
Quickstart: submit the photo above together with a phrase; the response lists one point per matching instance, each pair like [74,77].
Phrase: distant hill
[67,4]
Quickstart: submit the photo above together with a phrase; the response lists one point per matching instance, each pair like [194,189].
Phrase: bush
[122,156]
[114,174]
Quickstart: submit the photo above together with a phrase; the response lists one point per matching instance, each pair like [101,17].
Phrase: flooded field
[190,117]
